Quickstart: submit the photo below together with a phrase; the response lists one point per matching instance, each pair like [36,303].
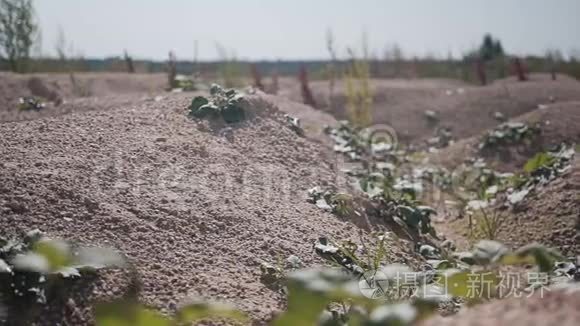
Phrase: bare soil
[123,87]
[468,110]
[196,207]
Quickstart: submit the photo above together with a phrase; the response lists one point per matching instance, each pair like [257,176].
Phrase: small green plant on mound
[337,203]
[475,184]
[274,275]
[362,144]
[402,207]
[294,124]
[30,104]
[183,83]
[541,170]
[443,138]
[487,223]
[392,193]
[35,270]
[509,133]
[226,104]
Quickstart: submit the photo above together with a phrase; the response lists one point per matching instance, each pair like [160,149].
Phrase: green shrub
[35,270]
[294,124]
[30,104]
[542,169]
[338,203]
[225,104]
[510,133]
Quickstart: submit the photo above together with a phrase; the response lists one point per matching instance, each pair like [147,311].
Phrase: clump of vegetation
[327,296]
[476,178]
[473,186]
[486,224]
[459,277]
[274,276]
[393,194]
[404,207]
[35,270]
[226,104]
[294,124]
[30,104]
[361,144]
[443,138]
[358,90]
[338,203]
[508,134]
[183,83]
[540,170]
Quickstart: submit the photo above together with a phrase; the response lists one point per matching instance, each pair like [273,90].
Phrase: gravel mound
[195,207]
[56,89]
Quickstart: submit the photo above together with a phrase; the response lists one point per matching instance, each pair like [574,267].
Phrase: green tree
[490,48]
[18,30]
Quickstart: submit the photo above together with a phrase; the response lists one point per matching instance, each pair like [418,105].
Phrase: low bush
[35,270]
[30,104]
[225,104]
[540,170]
[510,133]
[294,124]
[338,203]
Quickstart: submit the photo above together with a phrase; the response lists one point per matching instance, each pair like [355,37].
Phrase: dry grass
[358,90]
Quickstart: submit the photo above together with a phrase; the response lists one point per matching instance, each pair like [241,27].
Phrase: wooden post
[171,69]
[129,63]
[307,97]
[520,69]
[257,77]
[480,69]
[274,87]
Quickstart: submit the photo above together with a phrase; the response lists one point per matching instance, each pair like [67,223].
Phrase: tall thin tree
[18,29]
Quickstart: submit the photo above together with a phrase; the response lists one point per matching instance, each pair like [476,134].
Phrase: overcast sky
[295,29]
